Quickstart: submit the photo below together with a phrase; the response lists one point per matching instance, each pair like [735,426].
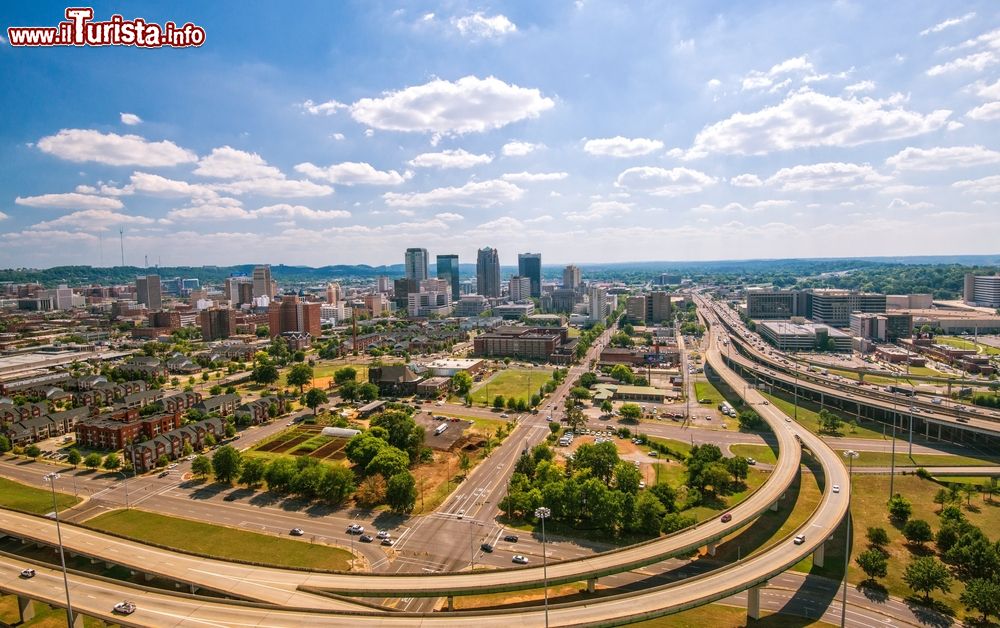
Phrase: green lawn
[884,458]
[810,418]
[17,496]
[45,616]
[962,343]
[680,446]
[709,509]
[706,390]
[761,453]
[518,383]
[219,541]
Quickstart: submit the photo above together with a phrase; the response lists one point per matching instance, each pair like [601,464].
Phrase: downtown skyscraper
[447,269]
[416,264]
[530,265]
[488,272]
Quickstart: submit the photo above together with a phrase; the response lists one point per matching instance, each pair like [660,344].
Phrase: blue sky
[588,131]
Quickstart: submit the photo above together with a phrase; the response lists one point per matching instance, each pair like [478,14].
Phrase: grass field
[517,383]
[17,496]
[761,453]
[679,446]
[706,390]
[810,419]
[710,508]
[323,372]
[883,459]
[219,541]
[45,616]
[962,343]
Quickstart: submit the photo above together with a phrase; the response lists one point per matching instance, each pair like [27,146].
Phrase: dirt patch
[333,450]
[447,439]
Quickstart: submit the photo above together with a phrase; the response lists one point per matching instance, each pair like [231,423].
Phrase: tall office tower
[447,269]
[416,264]
[262,286]
[333,293]
[598,304]
[982,290]
[147,291]
[383,284]
[571,277]
[488,272]
[245,293]
[217,323]
[520,288]
[292,315]
[530,265]
[658,308]
[233,289]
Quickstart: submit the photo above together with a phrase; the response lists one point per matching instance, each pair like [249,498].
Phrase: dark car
[366,538]
[726,518]
[486,547]
[510,538]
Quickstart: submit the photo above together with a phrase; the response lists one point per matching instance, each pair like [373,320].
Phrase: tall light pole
[51,479]
[851,455]
[892,461]
[544,513]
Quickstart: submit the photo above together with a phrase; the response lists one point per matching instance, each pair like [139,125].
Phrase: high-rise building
[435,285]
[217,323]
[563,299]
[571,277]
[429,303]
[488,272]
[520,288]
[416,264]
[383,283]
[834,307]
[598,304]
[333,293]
[231,289]
[530,265]
[246,293]
[147,291]
[982,290]
[769,304]
[376,304]
[262,286]
[401,289]
[292,315]
[658,308]
[635,309]
[447,269]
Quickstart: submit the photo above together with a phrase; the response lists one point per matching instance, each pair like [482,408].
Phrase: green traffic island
[32,500]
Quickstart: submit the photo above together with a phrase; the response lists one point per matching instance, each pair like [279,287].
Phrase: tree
[461,383]
[900,508]
[299,375]
[622,373]
[363,447]
[215,390]
[315,398]
[162,461]
[575,417]
[630,412]
[34,451]
[927,574]
[349,390]
[112,462]
[498,402]
[878,538]
[627,478]
[74,457]
[201,465]
[401,431]
[92,461]
[554,427]
[265,374]
[600,459]
[750,420]
[588,379]
[388,462]
[346,374]
[738,467]
[337,484]
[973,555]
[464,462]
[368,392]
[401,492]
[649,513]
[917,532]
[941,498]
[5,445]
[674,522]
[279,474]
[580,392]
[226,463]
[983,595]
[229,429]
[252,472]
[607,407]
[874,563]
[829,422]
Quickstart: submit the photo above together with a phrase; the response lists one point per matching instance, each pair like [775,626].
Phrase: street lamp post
[851,455]
[51,479]
[892,461]
[544,513]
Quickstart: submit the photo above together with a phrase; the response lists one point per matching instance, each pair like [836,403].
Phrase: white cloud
[480,26]
[338,136]
[284,210]
[468,105]
[707,208]
[449,216]
[771,204]
[860,86]
[3,216]
[539,219]
[69,200]
[807,119]
[598,210]
[457,158]
[985,185]
[218,209]
[406,212]
[746,181]
[277,188]
[130,119]
[82,145]
[529,177]
[663,182]
[714,83]
[105,189]
[519,149]
[898,203]
[825,176]
[227,162]
[327,108]
[989,91]
[619,146]
[764,80]
[472,194]
[954,21]
[351,173]
[93,220]
[942,158]
[156,185]
[977,62]
[954,125]
[988,111]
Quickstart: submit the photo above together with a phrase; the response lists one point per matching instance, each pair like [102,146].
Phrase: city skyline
[695,135]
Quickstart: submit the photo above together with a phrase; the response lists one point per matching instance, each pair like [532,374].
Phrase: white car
[836,488]
[382,534]
[520,560]
[799,539]
[28,573]
[461,514]
[124,607]
[355,528]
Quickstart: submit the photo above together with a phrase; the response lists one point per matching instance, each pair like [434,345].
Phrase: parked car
[520,560]
[124,607]
[28,573]
[388,542]
[383,534]
[510,538]
[296,532]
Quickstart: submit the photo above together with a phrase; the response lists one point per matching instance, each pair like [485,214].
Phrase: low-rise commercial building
[804,336]
[533,343]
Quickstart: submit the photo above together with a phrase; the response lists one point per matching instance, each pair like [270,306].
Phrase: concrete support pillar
[819,555]
[25,608]
[939,431]
[591,585]
[927,429]
[108,565]
[193,588]
[451,602]
[148,577]
[711,549]
[94,561]
[77,619]
[753,602]
[774,506]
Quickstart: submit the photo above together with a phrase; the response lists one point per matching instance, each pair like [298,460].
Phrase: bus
[899,389]
[440,429]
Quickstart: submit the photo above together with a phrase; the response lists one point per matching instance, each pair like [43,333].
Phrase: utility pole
[121,239]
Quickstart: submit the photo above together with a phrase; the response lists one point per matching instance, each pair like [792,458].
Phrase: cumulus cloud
[82,145]
[707,208]
[468,105]
[327,108]
[217,209]
[988,111]
[989,91]
[69,200]
[985,185]
[954,21]
[156,185]
[529,177]
[519,149]
[481,26]
[3,216]
[976,62]
[227,162]
[663,182]
[472,194]
[351,173]
[284,210]
[826,176]
[619,146]
[449,216]
[899,203]
[779,76]
[598,210]
[457,158]
[129,119]
[93,220]
[276,188]
[860,86]
[942,158]
[807,119]
[746,181]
